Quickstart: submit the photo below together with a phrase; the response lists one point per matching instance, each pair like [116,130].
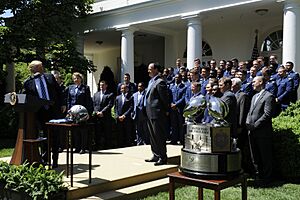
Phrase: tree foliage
[42,29]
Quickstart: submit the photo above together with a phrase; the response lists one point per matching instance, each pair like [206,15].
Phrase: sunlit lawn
[286,191]
[282,191]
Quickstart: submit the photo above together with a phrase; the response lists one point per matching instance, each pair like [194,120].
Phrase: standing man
[103,101]
[131,86]
[229,98]
[295,77]
[157,109]
[285,88]
[259,124]
[177,105]
[123,110]
[44,86]
[243,106]
[139,117]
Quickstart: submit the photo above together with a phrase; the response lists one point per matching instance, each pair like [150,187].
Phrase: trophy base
[211,165]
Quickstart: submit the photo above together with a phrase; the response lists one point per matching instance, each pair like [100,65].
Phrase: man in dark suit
[139,117]
[157,109]
[44,86]
[123,109]
[259,124]
[229,98]
[103,101]
[131,86]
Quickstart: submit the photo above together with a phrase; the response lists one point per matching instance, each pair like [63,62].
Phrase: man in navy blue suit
[103,101]
[139,116]
[285,88]
[123,110]
[177,105]
[295,77]
[44,86]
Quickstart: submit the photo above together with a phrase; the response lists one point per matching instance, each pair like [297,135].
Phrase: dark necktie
[43,89]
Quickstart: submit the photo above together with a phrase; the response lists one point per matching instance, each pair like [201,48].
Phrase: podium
[26,147]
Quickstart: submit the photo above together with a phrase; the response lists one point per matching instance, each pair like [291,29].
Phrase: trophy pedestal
[212,165]
[208,152]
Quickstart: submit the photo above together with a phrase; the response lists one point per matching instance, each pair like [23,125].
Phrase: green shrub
[8,123]
[37,182]
[286,142]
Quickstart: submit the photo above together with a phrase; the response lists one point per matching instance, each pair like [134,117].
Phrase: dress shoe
[153,159]
[54,164]
[77,151]
[82,151]
[160,162]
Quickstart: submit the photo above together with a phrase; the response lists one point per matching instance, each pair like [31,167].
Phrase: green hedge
[286,142]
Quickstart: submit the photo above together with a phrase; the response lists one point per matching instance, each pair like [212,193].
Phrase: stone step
[121,183]
[133,192]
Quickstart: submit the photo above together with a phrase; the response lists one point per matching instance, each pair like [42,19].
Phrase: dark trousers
[243,145]
[261,152]
[158,136]
[44,116]
[125,128]
[103,133]
[80,139]
[142,132]
[177,121]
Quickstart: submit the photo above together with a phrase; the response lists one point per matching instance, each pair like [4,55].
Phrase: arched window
[206,50]
[272,42]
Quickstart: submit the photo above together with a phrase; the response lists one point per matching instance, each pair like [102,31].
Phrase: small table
[216,185]
[70,130]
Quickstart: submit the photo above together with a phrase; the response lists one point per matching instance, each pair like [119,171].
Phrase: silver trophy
[195,107]
[218,109]
[207,149]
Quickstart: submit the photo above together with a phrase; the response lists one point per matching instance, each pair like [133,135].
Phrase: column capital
[291,4]
[126,29]
[192,18]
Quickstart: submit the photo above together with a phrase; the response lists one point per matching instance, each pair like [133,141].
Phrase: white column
[291,33]
[127,52]
[194,40]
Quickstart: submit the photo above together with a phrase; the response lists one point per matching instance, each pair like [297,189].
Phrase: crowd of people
[152,113]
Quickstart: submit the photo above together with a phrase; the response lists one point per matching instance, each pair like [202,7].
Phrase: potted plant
[30,182]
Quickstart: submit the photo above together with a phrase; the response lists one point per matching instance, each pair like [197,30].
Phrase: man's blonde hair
[32,66]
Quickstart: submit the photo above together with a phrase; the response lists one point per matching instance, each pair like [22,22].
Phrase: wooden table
[216,185]
[70,129]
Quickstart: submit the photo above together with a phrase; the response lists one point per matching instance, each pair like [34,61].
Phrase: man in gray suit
[243,106]
[229,98]
[259,124]
[157,110]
